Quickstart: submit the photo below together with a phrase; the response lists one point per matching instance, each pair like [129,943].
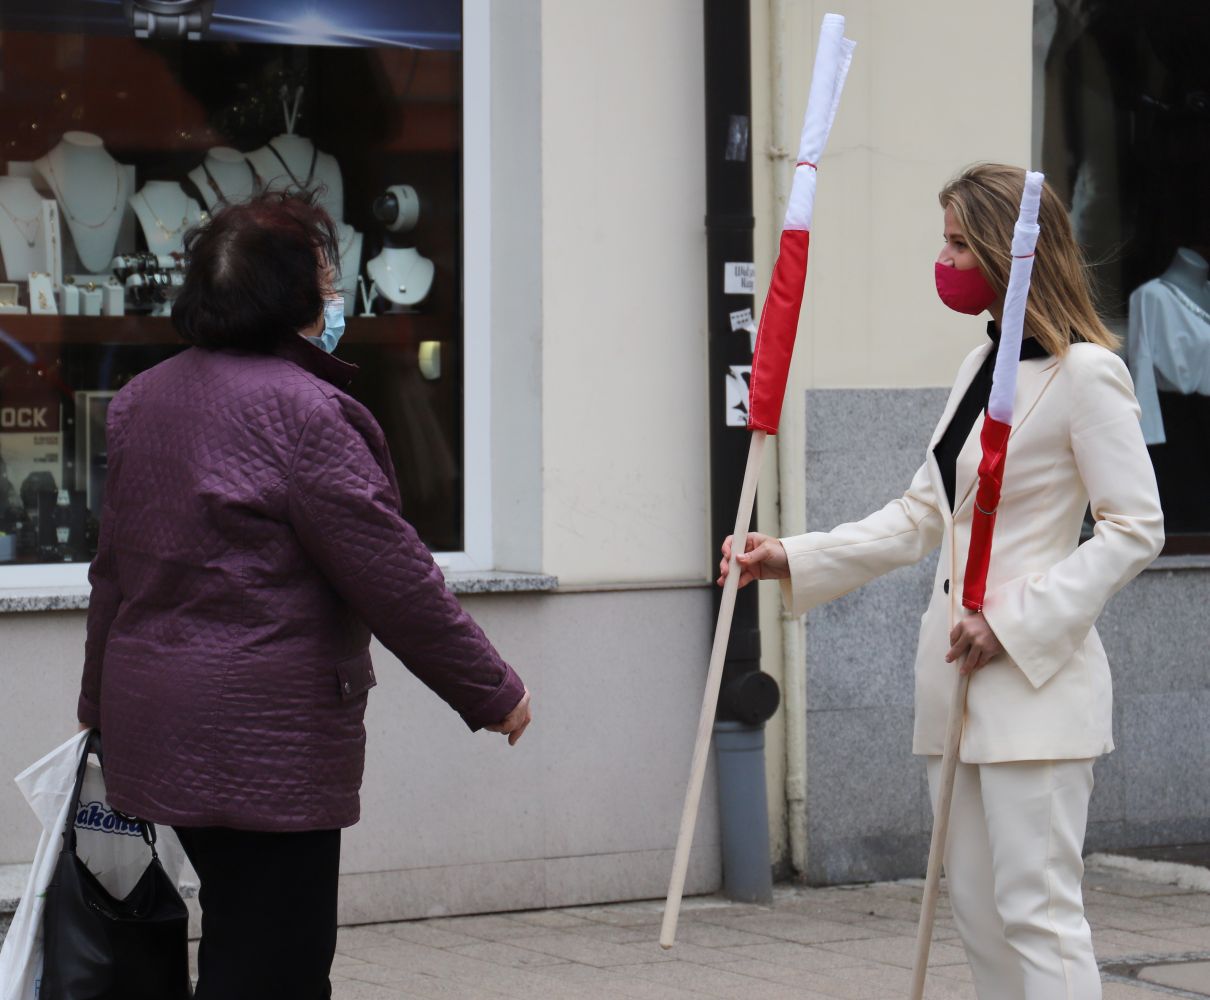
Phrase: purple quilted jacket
[251,541]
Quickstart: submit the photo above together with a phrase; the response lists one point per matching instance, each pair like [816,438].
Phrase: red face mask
[963,291]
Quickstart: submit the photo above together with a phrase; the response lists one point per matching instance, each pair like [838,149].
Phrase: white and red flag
[779,318]
[998,424]
[767,389]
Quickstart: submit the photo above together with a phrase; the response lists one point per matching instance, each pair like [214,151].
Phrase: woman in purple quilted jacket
[251,543]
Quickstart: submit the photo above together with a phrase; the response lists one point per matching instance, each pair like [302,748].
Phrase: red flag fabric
[994,440]
[779,317]
[775,336]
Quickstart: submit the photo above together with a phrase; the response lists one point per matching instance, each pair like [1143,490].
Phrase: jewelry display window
[1122,130]
[127,124]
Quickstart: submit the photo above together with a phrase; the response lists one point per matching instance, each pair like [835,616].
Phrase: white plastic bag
[113,850]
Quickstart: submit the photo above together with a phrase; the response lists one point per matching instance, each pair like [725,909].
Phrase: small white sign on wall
[737,395]
[739,278]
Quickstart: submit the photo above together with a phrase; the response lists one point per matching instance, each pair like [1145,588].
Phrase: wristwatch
[168,18]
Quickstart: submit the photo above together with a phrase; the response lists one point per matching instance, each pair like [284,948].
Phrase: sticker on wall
[739,278]
[742,319]
[738,378]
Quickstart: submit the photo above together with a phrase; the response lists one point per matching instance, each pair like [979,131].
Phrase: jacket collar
[317,361]
[1033,377]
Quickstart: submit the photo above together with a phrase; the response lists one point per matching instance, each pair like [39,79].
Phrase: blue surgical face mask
[334,325]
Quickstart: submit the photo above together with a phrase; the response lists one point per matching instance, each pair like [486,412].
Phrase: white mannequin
[24,237]
[402,275]
[349,240]
[92,189]
[1189,272]
[225,176]
[293,161]
[166,213]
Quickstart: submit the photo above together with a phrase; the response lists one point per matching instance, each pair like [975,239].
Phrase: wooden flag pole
[714,678]
[941,822]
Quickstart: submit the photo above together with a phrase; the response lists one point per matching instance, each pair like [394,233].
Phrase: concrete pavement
[812,944]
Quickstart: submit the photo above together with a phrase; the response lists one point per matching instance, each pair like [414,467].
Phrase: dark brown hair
[254,274]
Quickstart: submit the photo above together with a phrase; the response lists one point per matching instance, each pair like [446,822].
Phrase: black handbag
[97,947]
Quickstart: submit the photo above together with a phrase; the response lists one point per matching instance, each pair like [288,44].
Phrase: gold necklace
[57,187]
[167,233]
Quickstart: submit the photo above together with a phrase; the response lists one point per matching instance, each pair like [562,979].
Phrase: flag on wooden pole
[770,369]
[779,317]
[994,435]
[998,424]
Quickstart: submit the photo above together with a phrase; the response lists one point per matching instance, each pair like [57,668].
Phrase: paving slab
[836,943]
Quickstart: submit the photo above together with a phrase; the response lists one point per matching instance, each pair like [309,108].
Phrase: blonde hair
[986,200]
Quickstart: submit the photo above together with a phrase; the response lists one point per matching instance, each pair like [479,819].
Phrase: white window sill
[19,600]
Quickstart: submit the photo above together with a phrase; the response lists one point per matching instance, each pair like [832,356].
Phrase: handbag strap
[93,745]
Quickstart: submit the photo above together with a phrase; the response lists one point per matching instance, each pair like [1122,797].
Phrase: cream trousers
[1014,868]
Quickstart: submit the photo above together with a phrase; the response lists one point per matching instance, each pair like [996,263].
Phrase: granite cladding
[868,814]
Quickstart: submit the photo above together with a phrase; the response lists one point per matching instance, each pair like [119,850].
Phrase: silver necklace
[21,225]
[57,187]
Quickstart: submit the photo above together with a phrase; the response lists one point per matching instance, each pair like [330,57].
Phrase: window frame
[477,551]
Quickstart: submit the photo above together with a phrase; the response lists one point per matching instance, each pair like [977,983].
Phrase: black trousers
[268,912]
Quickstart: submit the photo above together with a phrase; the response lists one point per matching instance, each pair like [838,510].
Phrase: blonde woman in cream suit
[1040,704]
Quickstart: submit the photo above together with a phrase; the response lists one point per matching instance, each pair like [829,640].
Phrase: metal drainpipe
[748,698]
[791,447]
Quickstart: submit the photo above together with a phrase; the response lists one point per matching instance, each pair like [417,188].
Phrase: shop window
[114,145]
[1122,129]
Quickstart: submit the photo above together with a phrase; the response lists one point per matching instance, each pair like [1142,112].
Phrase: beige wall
[934,86]
[584,809]
[624,444]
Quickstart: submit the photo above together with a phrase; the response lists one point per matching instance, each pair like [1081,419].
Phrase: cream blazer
[1076,440]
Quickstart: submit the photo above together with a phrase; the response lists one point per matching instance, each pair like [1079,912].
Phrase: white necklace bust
[225,176]
[23,228]
[92,190]
[402,275]
[165,214]
[292,161]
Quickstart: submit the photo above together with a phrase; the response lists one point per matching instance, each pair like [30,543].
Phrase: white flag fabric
[1025,239]
[832,59]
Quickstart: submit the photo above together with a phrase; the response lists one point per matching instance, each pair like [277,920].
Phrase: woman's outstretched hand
[514,724]
[973,642]
[764,558]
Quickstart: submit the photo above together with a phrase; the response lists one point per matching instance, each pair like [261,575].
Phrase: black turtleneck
[973,403]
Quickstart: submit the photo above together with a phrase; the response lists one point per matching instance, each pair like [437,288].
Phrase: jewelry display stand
[42,295]
[10,293]
[224,177]
[165,214]
[366,293]
[92,190]
[292,161]
[350,242]
[92,295]
[24,234]
[402,276]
